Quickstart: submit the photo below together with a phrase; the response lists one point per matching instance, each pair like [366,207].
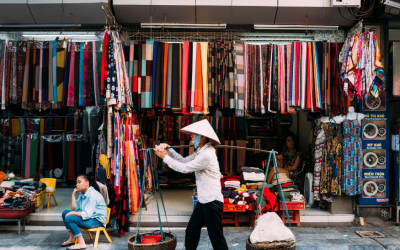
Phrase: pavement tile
[320,242]
[365,247]
[352,235]
[388,241]
[395,247]
[364,241]
[340,241]
[306,248]
[333,236]
[310,236]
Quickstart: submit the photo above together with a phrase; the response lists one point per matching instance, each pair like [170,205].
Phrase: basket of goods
[152,241]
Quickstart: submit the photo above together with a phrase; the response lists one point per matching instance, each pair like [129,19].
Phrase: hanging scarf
[154,72]
[194,77]
[185,82]
[198,98]
[159,76]
[147,76]
[211,73]
[239,79]
[204,69]
[104,64]
[176,91]
[231,76]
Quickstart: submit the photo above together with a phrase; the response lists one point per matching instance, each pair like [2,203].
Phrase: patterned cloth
[319,144]
[331,160]
[352,158]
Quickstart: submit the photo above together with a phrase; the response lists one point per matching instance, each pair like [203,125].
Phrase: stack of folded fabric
[252,176]
[285,182]
[232,182]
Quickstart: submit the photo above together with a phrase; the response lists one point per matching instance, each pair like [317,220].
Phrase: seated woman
[288,161]
[88,211]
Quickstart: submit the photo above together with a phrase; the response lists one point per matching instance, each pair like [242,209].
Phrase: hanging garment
[204,69]
[176,90]
[239,80]
[332,160]
[185,81]
[352,158]
[211,73]
[159,76]
[155,48]
[319,140]
[147,75]
[168,96]
[199,95]
[194,78]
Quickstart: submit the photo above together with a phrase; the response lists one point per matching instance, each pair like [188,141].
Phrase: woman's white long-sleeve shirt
[204,163]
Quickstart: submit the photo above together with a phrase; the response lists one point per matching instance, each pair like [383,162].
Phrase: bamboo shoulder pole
[222,146]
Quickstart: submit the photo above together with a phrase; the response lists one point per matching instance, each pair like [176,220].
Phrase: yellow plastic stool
[97,230]
[50,182]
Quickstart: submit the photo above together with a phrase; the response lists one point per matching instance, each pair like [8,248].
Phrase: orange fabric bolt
[198,98]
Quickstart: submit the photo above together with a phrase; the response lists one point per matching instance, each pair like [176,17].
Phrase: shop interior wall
[301,127]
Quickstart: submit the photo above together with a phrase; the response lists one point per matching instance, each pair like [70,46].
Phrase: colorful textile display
[362,66]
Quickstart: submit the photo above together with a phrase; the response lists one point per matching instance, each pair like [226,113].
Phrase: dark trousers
[209,214]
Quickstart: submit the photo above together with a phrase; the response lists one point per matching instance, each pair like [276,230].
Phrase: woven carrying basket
[250,246]
[169,244]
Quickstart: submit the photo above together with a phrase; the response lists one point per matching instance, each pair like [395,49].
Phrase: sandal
[75,248]
[67,245]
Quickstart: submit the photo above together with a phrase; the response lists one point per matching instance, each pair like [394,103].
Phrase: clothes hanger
[169,36]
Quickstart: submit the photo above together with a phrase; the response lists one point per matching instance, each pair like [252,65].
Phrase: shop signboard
[375,146]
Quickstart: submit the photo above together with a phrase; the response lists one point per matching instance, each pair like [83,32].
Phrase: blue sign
[375,145]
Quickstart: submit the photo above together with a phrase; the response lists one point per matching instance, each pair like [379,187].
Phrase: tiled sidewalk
[307,239]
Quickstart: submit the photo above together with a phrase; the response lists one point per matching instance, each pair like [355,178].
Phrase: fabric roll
[176,90]
[168,101]
[54,72]
[77,75]
[66,75]
[13,82]
[95,73]
[211,73]
[61,53]
[303,74]
[131,63]
[185,65]
[71,78]
[198,94]
[154,72]
[239,80]
[21,60]
[36,97]
[104,64]
[135,79]
[91,75]
[159,76]
[231,75]
[204,69]
[193,85]
[28,157]
[190,78]
[50,76]
[147,75]
[141,51]
[26,74]
[85,48]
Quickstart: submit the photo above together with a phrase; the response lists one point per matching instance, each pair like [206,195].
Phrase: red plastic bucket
[151,239]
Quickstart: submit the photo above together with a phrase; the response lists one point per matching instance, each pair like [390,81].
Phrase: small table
[19,223]
[293,210]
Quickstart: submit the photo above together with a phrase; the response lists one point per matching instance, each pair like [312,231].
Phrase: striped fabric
[239,80]
[135,76]
[231,70]
[81,75]
[70,99]
[147,75]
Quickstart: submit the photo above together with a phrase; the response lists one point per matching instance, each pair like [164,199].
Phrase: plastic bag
[270,228]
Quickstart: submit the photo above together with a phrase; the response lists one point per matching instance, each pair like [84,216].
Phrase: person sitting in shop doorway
[288,161]
[204,163]
[88,211]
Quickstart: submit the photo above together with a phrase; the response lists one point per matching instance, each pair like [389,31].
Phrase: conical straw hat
[203,128]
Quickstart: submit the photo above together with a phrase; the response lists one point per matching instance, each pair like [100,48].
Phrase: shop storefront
[68,99]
